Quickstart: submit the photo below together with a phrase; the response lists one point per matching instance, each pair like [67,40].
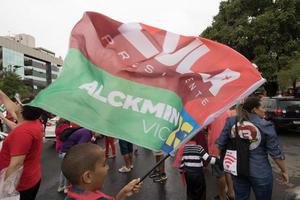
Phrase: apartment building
[37,66]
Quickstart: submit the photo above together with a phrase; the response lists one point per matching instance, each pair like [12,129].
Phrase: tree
[290,76]
[11,83]
[266,32]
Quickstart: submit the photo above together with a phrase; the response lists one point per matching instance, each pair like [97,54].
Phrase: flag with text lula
[148,86]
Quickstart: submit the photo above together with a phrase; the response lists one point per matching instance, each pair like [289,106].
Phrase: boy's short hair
[79,159]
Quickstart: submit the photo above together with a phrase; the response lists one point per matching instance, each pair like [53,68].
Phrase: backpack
[68,132]
[236,156]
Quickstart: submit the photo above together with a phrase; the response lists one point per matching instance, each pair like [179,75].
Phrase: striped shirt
[193,156]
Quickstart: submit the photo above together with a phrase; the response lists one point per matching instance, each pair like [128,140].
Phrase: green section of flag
[110,105]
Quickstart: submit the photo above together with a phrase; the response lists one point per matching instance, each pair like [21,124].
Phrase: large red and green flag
[146,85]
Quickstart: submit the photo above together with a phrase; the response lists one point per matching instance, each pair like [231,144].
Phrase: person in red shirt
[23,147]
[61,125]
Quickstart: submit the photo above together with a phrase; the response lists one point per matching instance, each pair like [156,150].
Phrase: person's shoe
[66,190]
[112,156]
[154,174]
[161,178]
[60,189]
[124,169]
[131,166]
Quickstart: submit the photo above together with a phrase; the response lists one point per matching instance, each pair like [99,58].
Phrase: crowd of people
[84,167]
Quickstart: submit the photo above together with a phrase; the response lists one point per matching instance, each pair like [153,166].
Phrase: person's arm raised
[9,104]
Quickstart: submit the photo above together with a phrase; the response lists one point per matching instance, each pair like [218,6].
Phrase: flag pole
[167,156]
[155,166]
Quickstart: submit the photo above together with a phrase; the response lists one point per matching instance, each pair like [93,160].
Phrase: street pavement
[173,188]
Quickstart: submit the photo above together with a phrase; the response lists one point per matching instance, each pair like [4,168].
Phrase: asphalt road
[173,188]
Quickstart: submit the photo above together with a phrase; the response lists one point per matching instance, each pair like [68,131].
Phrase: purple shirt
[78,137]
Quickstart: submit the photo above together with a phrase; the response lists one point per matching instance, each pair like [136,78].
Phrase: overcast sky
[51,21]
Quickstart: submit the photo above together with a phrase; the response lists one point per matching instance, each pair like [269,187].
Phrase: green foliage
[290,76]
[11,84]
[266,33]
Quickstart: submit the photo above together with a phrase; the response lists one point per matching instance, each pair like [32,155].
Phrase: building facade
[38,67]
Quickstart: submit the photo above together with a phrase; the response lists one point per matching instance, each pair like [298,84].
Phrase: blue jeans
[262,187]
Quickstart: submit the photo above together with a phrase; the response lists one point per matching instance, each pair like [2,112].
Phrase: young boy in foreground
[85,167]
